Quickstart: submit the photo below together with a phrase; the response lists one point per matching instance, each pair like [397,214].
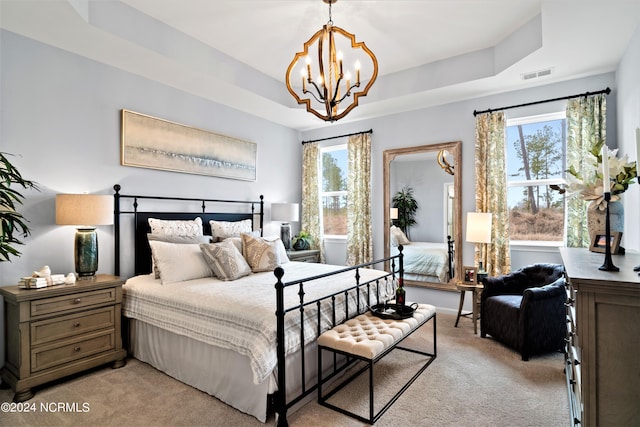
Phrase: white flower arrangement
[588,185]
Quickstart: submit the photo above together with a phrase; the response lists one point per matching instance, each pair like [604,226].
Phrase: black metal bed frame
[278,401]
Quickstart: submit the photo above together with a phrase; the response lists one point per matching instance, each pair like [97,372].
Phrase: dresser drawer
[73,302]
[58,328]
[47,356]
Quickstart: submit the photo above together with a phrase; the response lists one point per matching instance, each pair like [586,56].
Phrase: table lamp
[85,211]
[393,214]
[479,231]
[285,213]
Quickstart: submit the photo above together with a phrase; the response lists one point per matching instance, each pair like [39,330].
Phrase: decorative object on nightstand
[302,241]
[58,331]
[85,211]
[479,231]
[285,213]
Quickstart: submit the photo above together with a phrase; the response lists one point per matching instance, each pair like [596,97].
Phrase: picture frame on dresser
[598,244]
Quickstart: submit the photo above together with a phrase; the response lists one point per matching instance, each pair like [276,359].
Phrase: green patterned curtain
[491,194]
[310,221]
[586,129]
[359,239]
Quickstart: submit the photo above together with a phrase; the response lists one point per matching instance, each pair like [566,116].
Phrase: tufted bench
[368,338]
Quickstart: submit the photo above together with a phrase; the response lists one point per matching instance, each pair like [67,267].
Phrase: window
[536,148]
[333,190]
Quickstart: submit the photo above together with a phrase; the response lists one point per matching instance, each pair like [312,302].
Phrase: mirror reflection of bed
[431,258]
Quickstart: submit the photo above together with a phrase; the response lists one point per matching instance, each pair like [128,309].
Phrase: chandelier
[328,89]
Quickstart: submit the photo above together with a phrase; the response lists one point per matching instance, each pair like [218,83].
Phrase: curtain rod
[338,136]
[607,91]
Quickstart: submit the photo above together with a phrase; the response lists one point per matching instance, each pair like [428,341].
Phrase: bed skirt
[217,371]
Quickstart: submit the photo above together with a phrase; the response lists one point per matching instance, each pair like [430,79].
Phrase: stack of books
[41,282]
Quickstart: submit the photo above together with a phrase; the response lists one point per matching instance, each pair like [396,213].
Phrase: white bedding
[425,258]
[239,315]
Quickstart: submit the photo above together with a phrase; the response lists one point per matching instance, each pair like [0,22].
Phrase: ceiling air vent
[536,74]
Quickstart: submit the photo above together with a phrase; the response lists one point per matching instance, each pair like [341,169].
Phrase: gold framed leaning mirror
[433,175]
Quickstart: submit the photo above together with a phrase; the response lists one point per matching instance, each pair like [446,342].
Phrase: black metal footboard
[363,294]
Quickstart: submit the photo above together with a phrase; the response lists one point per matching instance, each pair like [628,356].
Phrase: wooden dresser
[60,330]
[603,339]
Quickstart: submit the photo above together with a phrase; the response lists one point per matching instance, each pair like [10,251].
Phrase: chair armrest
[556,289]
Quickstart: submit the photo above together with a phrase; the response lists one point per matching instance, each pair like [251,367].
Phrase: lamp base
[86,252]
[285,235]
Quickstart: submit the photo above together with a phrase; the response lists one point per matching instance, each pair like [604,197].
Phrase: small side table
[308,255]
[475,289]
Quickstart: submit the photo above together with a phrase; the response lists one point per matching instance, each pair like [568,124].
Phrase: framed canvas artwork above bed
[149,142]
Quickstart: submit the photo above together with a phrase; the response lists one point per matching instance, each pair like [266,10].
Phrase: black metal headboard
[142,251]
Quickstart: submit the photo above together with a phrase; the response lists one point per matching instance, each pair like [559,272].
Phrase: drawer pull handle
[76,301]
[77,349]
[76,325]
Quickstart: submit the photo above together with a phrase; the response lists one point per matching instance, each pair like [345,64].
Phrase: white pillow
[262,254]
[175,239]
[221,230]
[225,260]
[176,228]
[399,236]
[179,262]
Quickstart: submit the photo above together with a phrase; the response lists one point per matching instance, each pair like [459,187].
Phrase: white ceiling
[430,52]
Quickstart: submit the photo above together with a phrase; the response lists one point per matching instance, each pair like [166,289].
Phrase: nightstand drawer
[72,302]
[75,324]
[47,356]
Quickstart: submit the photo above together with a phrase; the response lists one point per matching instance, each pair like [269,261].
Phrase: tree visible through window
[334,190]
[535,160]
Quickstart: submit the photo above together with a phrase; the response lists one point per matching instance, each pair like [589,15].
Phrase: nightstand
[309,255]
[60,330]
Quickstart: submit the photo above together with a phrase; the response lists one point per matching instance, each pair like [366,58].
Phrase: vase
[596,219]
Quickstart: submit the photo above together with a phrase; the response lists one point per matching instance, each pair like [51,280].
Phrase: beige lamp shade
[393,213]
[84,209]
[284,212]
[478,227]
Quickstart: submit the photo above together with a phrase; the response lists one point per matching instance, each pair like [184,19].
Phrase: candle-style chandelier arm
[326,90]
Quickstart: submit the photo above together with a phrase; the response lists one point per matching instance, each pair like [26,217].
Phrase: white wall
[628,83]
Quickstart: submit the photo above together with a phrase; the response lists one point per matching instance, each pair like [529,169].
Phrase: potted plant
[14,225]
[407,208]
[302,241]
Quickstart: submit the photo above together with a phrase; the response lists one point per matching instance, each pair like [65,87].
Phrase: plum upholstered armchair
[525,309]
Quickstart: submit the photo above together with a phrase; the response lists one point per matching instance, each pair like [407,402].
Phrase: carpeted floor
[472,382]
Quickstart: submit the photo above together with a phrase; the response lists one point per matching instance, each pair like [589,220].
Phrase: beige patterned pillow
[261,255]
[225,260]
[221,230]
[176,228]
